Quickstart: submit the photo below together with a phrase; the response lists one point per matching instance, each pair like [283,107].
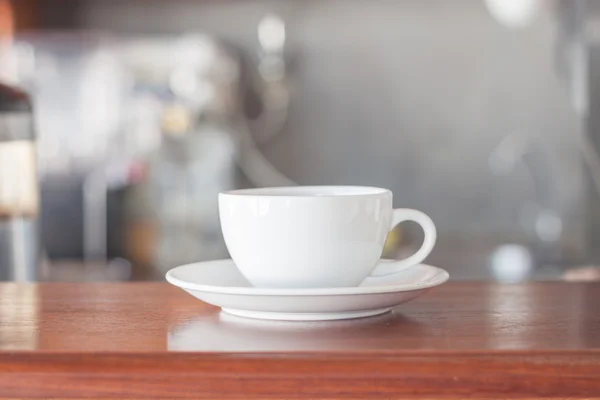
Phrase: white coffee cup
[315,236]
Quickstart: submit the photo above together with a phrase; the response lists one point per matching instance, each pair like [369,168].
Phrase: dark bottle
[19,193]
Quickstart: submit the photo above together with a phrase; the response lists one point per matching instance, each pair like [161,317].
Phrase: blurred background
[481,113]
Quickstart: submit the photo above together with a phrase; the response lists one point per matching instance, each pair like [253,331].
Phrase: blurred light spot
[548,226]
[197,52]
[271,33]
[513,13]
[511,263]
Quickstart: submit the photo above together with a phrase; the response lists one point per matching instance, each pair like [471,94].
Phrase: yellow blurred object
[392,242]
[176,120]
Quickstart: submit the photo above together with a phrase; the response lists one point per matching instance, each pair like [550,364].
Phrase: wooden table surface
[154,340]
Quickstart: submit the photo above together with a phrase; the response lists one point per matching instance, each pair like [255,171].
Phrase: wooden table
[154,340]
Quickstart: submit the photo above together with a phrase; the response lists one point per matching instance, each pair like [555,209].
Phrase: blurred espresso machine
[19,198]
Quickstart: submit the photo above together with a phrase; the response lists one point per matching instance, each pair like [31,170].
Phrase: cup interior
[309,191]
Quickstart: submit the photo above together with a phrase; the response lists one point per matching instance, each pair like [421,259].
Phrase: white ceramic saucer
[221,284]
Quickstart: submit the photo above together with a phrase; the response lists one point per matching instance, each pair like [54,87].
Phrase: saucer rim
[440,277]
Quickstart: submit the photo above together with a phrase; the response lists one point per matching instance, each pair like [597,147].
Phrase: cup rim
[316,191]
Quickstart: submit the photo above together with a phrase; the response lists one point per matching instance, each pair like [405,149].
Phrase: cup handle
[387,267]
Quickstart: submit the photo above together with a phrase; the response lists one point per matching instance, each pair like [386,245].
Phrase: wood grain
[152,340]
